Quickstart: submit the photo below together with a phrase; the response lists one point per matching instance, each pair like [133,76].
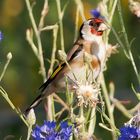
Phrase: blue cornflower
[48,131]
[138,132]
[131,130]
[128,133]
[95,13]
[65,131]
[1,36]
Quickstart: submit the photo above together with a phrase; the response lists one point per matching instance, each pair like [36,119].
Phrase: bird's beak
[103,27]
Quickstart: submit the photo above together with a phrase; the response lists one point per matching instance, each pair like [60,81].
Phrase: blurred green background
[22,80]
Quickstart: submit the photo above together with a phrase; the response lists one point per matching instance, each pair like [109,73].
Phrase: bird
[89,42]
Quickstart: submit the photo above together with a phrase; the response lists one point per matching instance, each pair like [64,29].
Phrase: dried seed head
[87,94]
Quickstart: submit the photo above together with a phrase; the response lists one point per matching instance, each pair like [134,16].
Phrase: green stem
[92,123]
[83,118]
[76,24]
[50,104]
[61,24]
[121,108]
[37,34]
[43,14]
[112,10]
[55,33]
[9,57]
[79,4]
[5,96]
[108,104]
[128,47]
[29,132]
[110,122]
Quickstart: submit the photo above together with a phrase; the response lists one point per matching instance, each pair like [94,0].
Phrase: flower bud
[87,94]
[9,56]
[31,118]
[62,55]
[29,33]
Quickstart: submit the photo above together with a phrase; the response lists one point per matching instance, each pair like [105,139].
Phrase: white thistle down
[87,94]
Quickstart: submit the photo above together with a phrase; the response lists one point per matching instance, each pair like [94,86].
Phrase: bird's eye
[93,24]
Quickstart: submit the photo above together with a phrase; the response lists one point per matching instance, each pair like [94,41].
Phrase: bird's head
[93,28]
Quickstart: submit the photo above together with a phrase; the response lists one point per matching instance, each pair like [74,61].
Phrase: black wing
[59,68]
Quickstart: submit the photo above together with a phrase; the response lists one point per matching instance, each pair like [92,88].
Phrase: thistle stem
[37,34]
[108,104]
[128,46]
[61,23]
[6,65]
[5,96]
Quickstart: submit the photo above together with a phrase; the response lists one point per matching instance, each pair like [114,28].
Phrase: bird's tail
[36,102]
[43,93]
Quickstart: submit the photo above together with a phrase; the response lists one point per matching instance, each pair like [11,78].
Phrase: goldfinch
[89,43]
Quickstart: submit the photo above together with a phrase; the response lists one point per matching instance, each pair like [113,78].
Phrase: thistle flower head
[48,131]
[87,93]
[131,129]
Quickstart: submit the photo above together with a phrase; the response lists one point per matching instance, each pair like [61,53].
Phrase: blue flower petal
[66,131]
[63,124]
[49,125]
[1,36]
[48,131]
[37,135]
[128,133]
[138,132]
[95,13]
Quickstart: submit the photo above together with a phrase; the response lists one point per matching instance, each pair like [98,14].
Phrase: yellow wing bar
[56,71]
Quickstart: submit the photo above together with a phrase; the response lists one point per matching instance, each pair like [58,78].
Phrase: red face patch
[98,33]
[93,31]
[97,20]
[94,26]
